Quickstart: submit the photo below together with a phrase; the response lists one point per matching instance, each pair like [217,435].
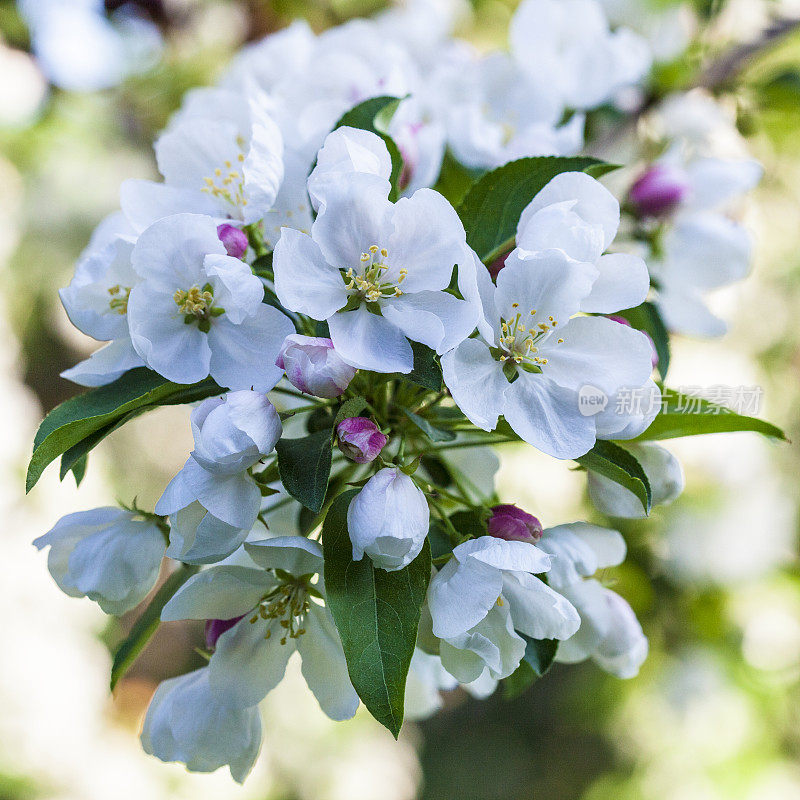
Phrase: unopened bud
[514,525]
[313,366]
[360,439]
[659,191]
[234,239]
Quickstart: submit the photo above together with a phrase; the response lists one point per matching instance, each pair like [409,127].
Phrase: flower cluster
[352,325]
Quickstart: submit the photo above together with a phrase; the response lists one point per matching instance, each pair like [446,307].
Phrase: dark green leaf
[262,267]
[350,408]
[470,523]
[455,179]
[96,413]
[320,419]
[518,681]
[305,466]
[539,653]
[647,318]
[437,470]
[147,624]
[433,433]
[374,115]
[377,614]
[426,371]
[682,415]
[616,463]
[78,469]
[492,207]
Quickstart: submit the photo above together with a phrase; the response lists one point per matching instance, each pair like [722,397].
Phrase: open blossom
[190,722]
[96,302]
[377,271]
[483,595]
[609,631]
[312,365]
[213,502]
[222,155]
[388,520]
[664,473]
[110,555]
[281,613]
[360,439]
[197,311]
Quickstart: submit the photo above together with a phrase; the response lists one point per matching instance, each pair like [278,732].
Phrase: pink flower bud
[234,239]
[360,439]
[216,627]
[514,525]
[313,366]
[659,191]
[623,321]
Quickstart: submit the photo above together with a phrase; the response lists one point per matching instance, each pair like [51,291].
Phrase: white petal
[197,537]
[592,202]
[579,550]
[505,555]
[436,319]
[222,592]
[547,416]
[476,381]
[537,610]
[294,554]
[324,666]
[243,356]
[428,241]
[236,289]
[623,283]
[557,227]
[368,341]
[146,202]
[304,281]
[246,665]
[105,365]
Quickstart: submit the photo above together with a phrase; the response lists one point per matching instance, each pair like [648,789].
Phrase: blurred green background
[714,714]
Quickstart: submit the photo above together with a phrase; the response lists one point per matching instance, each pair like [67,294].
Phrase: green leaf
[82,421]
[455,179]
[305,466]
[374,115]
[262,267]
[682,415]
[539,653]
[377,614]
[433,433]
[616,463]
[518,681]
[492,207]
[647,318]
[473,523]
[78,469]
[147,624]
[426,372]
[350,408]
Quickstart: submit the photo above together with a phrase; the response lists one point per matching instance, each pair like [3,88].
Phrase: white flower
[663,471]
[198,311]
[96,302]
[508,115]
[377,271]
[222,155]
[388,520]
[109,555]
[569,45]
[550,354]
[213,502]
[313,366]
[426,679]
[486,593]
[190,722]
[609,632]
[282,613]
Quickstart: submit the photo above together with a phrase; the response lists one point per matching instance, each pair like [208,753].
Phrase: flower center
[288,604]
[368,282]
[521,338]
[119,299]
[197,305]
[227,182]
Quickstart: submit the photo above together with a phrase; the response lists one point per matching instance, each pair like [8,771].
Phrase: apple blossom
[313,366]
[388,520]
[110,555]
[281,614]
[196,311]
[377,271]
